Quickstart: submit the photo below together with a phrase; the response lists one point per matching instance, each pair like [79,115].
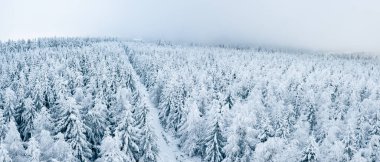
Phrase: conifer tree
[149,149]
[214,144]
[73,129]
[311,152]
[45,141]
[9,99]
[60,150]
[171,105]
[3,126]
[27,117]
[110,150]
[241,139]
[33,150]
[4,155]
[42,121]
[97,122]
[14,143]
[128,134]
[191,130]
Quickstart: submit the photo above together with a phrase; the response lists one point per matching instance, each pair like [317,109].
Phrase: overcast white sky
[347,25]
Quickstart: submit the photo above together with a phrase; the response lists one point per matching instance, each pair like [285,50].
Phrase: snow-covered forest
[107,100]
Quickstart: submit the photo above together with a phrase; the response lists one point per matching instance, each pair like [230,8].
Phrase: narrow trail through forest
[167,144]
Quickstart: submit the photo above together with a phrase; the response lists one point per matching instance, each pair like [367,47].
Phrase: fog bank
[339,25]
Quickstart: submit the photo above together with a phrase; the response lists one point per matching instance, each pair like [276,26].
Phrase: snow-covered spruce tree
[349,142]
[122,103]
[270,150]
[42,121]
[140,109]
[73,128]
[191,131]
[110,150]
[13,143]
[148,145]
[148,149]
[311,151]
[9,104]
[4,155]
[22,92]
[241,139]
[127,133]
[265,128]
[96,119]
[332,147]
[214,140]
[37,95]
[171,104]
[3,125]
[374,148]
[33,151]
[45,141]
[60,150]
[27,117]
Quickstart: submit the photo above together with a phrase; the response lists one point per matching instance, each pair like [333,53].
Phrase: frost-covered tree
[45,141]
[311,151]
[269,150]
[148,146]
[140,109]
[42,121]
[374,148]
[110,150]
[73,129]
[13,143]
[28,115]
[266,129]
[241,140]
[191,131]
[60,150]
[128,134]
[4,155]
[96,119]
[171,104]
[3,125]
[33,151]
[214,143]
[9,104]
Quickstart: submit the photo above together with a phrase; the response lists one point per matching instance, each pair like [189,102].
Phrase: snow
[167,144]
[185,103]
[168,149]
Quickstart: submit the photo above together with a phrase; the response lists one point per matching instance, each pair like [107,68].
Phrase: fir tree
[214,143]
[96,120]
[14,143]
[149,149]
[27,117]
[128,134]
[9,99]
[42,121]
[60,150]
[110,150]
[33,150]
[3,126]
[4,155]
[311,152]
[191,130]
[71,125]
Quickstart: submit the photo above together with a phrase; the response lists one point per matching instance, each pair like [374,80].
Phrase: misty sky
[339,25]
